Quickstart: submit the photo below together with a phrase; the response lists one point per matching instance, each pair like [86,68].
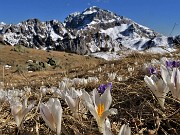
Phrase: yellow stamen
[100,109]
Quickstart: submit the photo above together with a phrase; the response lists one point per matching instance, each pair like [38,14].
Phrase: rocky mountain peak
[90,16]
[90,31]
[91,10]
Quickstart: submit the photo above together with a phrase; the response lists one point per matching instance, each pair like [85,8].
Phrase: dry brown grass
[135,103]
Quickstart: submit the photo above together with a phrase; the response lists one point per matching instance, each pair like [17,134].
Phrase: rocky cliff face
[93,30]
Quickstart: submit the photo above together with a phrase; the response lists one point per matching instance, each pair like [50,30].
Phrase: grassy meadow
[134,101]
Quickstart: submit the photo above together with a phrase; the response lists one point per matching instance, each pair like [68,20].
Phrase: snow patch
[114,32]
[11,38]
[106,55]
[155,50]
[89,12]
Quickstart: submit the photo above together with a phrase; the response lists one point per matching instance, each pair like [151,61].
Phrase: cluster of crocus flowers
[169,81]
[172,80]
[112,76]
[78,81]
[19,110]
[72,97]
[51,112]
[99,106]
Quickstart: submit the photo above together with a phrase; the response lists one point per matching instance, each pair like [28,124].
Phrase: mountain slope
[93,30]
[114,31]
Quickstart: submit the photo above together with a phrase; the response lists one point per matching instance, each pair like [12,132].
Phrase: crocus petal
[86,97]
[50,103]
[150,83]
[92,110]
[78,93]
[62,85]
[106,98]
[174,85]
[178,85]
[125,130]
[26,110]
[101,120]
[25,102]
[96,98]
[165,74]
[62,94]
[160,97]
[178,78]
[107,113]
[15,109]
[47,116]
[70,102]
[161,86]
[18,119]
[57,114]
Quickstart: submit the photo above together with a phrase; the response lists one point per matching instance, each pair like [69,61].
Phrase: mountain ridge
[90,31]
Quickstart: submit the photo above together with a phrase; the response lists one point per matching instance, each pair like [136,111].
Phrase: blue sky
[159,15]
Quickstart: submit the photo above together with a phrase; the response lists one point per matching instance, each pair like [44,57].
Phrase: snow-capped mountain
[34,33]
[113,31]
[93,30]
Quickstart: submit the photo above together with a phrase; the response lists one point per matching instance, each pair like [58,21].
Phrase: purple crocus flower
[152,70]
[177,63]
[168,64]
[103,87]
[172,64]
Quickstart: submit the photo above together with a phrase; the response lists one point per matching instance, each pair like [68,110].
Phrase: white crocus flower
[163,60]
[72,98]
[93,80]
[43,90]
[66,82]
[125,130]
[158,87]
[99,106]
[99,69]
[3,95]
[112,76]
[174,83]
[119,78]
[79,81]
[131,70]
[165,74]
[52,114]
[19,110]
[172,79]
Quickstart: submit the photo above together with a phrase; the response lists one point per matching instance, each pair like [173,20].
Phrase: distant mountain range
[93,30]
